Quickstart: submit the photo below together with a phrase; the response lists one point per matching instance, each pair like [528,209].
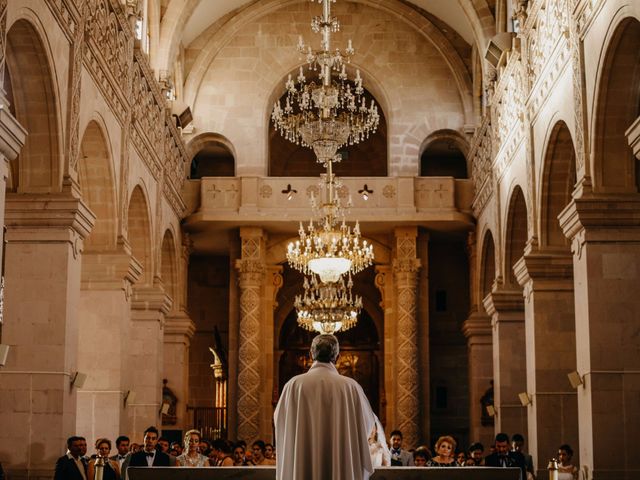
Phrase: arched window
[212,158]
[443,158]
[365,159]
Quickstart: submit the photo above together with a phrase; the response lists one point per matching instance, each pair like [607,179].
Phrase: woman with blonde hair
[102,467]
[191,457]
[445,446]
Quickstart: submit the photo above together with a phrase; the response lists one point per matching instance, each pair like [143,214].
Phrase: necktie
[149,454]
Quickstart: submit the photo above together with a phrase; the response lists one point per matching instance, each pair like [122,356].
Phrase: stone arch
[168,266]
[96,178]
[139,232]
[557,183]
[404,12]
[515,234]
[487,264]
[33,94]
[617,107]
[444,154]
[212,155]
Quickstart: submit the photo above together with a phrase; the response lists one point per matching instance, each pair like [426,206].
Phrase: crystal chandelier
[329,247]
[327,307]
[333,112]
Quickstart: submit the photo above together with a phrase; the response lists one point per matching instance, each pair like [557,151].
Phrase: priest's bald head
[325,348]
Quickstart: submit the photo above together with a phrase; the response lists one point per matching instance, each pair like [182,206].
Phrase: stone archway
[359,355]
[30,86]
[618,106]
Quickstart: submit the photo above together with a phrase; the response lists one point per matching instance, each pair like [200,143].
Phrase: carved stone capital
[179,325]
[611,218]
[500,302]
[477,329]
[113,270]
[56,218]
[151,299]
[545,269]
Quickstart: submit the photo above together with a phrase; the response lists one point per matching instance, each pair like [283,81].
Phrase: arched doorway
[359,354]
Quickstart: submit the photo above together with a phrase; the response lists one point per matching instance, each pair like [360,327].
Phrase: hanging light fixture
[327,307]
[329,247]
[333,112]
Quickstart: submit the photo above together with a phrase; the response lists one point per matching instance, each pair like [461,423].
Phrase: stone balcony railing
[392,199]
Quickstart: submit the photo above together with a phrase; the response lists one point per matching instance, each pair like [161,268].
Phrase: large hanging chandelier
[333,112]
[327,307]
[329,247]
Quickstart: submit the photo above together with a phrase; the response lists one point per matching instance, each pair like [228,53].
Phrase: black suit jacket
[66,469]
[139,459]
[514,459]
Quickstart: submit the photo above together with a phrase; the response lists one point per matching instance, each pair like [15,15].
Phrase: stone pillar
[103,350]
[506,309]
[273,283]
[477,330]
[385,285]
[605,234]
[251,270]
[424,338]
[149,305]
[405,269]
[38,407]
[234,333]
[547,280]
[178,332]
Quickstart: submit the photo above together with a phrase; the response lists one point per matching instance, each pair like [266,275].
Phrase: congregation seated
[223,453]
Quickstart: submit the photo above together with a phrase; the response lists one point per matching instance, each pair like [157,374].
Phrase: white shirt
[150,457]
[323,421]
[79,464]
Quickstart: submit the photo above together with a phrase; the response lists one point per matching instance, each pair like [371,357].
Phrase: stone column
[38,405]
[424,339]
[234,334]
[178,332]
[477,330]
[103,351]
[547,280]
[405,269]
[149,305]
[605,234]
[506,309]
[385,285]
[251,270]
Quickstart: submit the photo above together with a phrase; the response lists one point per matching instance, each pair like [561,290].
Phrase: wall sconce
[289,192]
[129,398]
[575,379]
[78,379]
[491,411]
[365,192]
[4,353]
[525,399]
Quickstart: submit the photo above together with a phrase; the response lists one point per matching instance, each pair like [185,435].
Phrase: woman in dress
[421,456]
[110,468]
[380,454]
[566,471]
[445,446]
[191,456]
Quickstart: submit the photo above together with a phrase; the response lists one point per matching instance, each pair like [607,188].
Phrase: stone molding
[12,134]
[113,270]
[49,216]
[544,267]
[477,329]
[503,301]
[613,218]
[633,136]
[179,325]
[151,299]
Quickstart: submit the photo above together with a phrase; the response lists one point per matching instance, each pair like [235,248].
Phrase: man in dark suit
[122,445]
[150,456]
[504,457]
[73,465]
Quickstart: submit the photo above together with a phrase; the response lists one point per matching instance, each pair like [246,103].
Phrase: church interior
[152,190]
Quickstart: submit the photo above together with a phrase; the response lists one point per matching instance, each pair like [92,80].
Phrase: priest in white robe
[323,421]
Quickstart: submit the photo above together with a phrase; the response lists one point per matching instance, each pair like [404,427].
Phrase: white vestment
[323,421]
